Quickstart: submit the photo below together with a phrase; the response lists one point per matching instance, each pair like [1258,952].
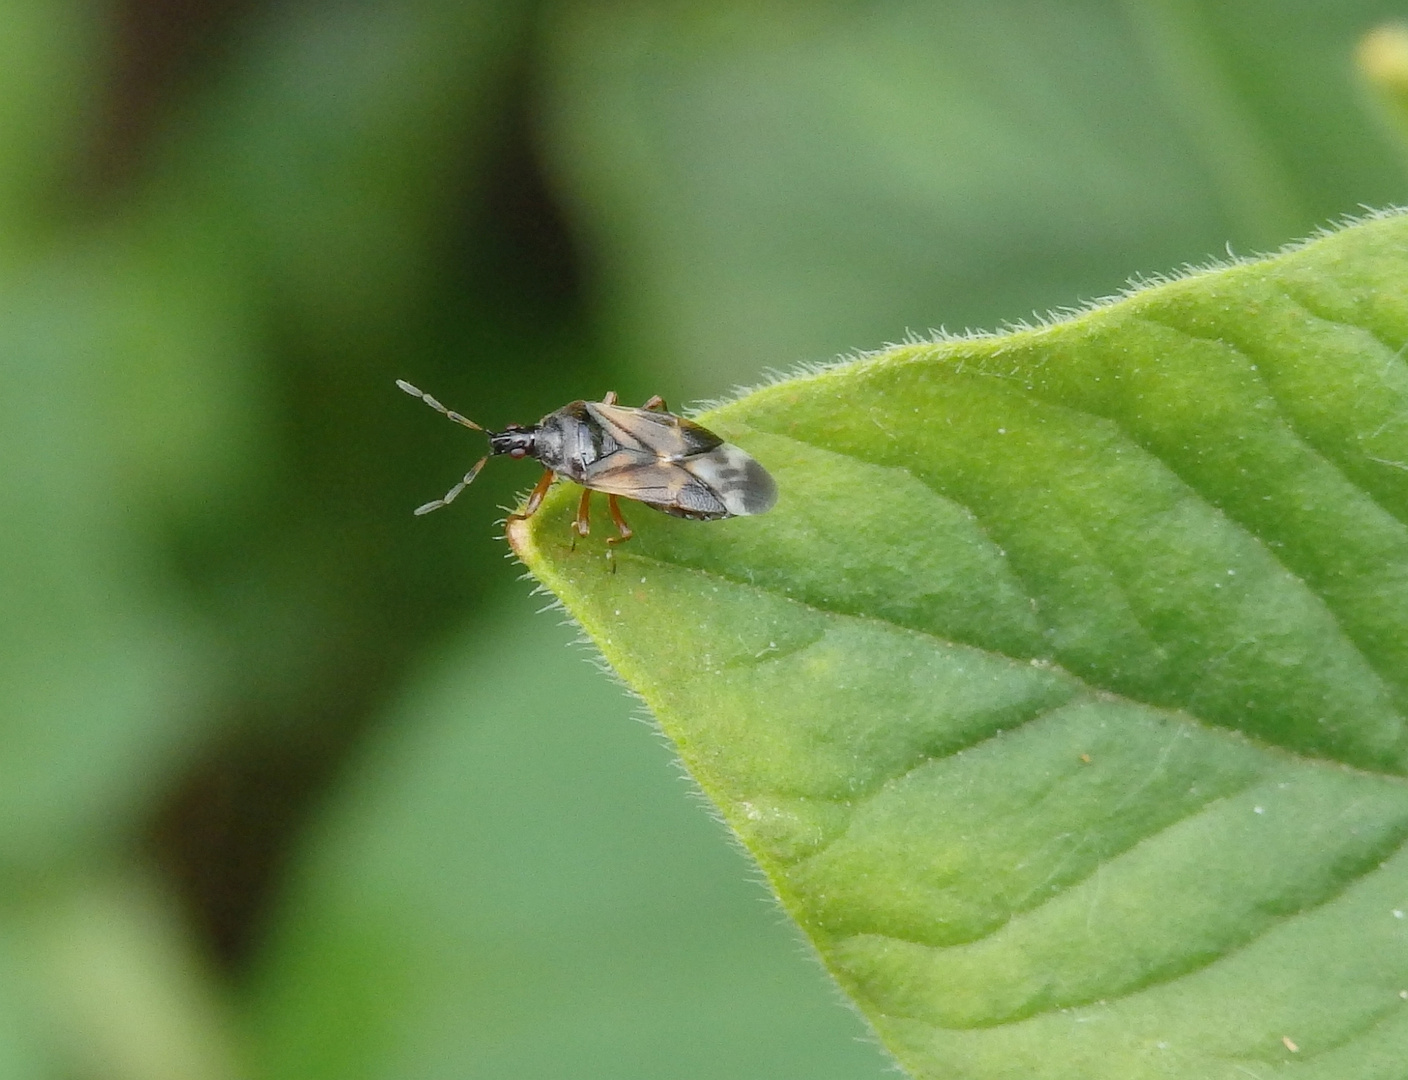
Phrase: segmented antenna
[451,495]
[456,417]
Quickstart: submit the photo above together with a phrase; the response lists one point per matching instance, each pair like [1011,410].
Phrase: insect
[648,454]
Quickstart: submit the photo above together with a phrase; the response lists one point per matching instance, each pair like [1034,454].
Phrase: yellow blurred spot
[1383,56]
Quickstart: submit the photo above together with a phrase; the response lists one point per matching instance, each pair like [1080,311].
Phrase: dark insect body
[648,454]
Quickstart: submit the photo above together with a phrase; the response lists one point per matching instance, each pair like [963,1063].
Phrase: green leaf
[1061,696]
[507,884]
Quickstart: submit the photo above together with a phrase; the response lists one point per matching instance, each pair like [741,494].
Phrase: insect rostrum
[648,454]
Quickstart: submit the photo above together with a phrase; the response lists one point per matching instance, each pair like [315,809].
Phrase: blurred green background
[293,784]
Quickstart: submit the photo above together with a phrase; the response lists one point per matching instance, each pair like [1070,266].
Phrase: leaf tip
[519,537]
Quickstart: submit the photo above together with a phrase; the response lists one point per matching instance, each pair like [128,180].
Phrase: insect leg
[456,417]
[621,527]
[582,525]
[535,497]
[451,495]
[610,398]
[656,402]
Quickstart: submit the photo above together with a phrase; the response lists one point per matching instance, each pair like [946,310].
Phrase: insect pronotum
[648,454]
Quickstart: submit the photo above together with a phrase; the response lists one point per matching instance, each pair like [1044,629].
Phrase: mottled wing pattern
[661,434]
[664,485]
[735,479]
[675,465]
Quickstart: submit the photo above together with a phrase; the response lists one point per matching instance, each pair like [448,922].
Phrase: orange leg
[621,527]
[535,497]
[610,398]
[582,525]
[656,402]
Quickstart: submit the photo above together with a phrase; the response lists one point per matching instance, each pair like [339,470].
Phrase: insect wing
[665,485]
[662,434]
[738,482]
[677,466]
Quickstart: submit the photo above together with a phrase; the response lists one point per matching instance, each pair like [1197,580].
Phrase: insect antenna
[451,495]
[456,417]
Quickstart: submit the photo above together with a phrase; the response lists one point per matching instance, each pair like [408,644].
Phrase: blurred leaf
[100,662]
[146,398]
[768,183]
[123,995]
[339,146]
[183,407]
[47,75]
[325,204]
[21,1055]
[1061,696]
[511,885]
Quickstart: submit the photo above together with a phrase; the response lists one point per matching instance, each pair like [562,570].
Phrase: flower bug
[648,454]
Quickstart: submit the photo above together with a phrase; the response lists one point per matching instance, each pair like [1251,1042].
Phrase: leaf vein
[1246,530]
[1168,974]
[1180,714]
[1322,455]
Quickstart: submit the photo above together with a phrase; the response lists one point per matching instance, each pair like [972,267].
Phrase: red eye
[517,452]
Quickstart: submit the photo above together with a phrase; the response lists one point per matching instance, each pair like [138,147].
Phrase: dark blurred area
[507,265]
[295,784]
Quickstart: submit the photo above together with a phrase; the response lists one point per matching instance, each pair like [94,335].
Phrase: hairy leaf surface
[1061,698]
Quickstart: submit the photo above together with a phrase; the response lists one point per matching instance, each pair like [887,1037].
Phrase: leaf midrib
[1081,688]
[1171,973]
[1390,690]
[1080,685]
